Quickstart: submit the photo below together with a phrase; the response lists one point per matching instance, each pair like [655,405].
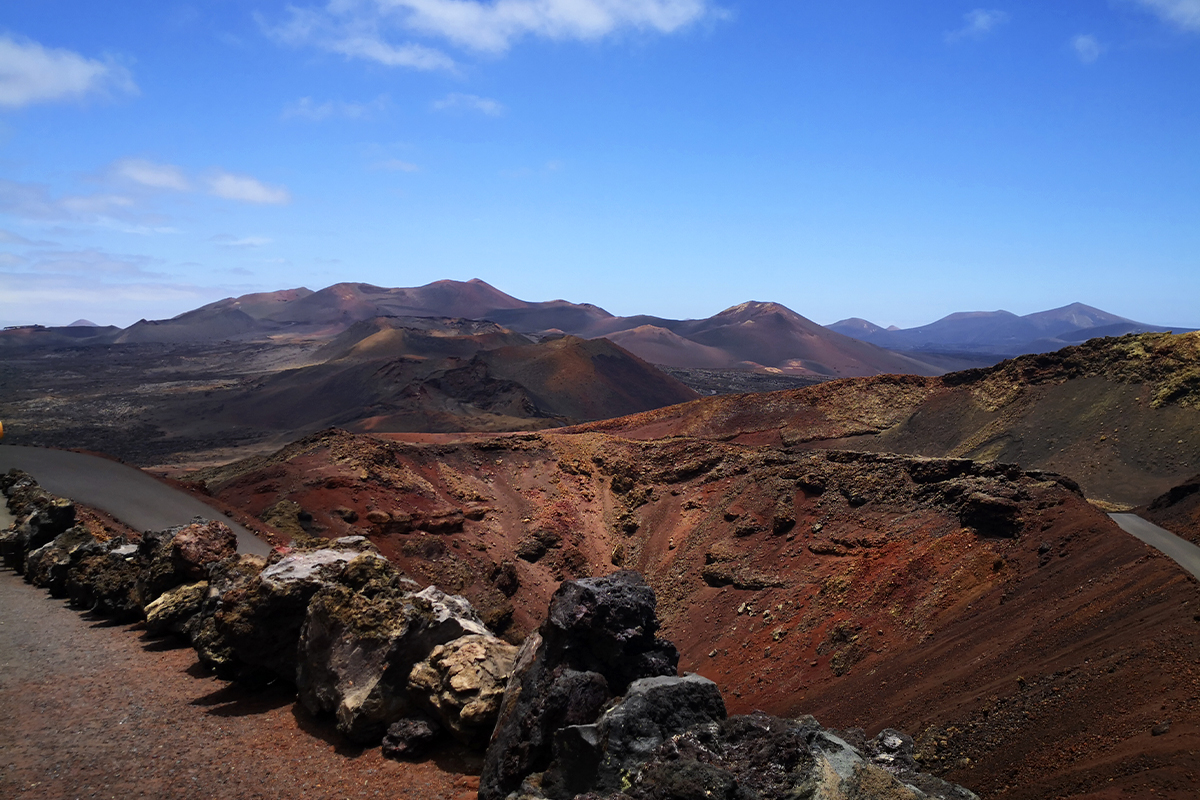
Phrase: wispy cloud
[366,29]
[8,237]
[307,108]
[1183,14]
[978,23]
[1087,48]
[94,262]
[151,175]
[247,189]
[34,201]
[469,102]
[32,73]
[242,242]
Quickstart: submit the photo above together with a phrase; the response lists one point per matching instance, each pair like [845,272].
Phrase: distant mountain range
[757,336]
[999,333]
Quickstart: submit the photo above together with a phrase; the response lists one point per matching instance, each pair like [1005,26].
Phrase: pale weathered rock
[357,650]
[463,684]
[174,609]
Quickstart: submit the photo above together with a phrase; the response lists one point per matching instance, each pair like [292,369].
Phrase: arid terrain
[915,551]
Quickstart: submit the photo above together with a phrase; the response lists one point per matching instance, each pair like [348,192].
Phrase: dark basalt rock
[409,738]
[103,583]
[41,517]
[598,757]
[49,566]
[598,637]
[225,578]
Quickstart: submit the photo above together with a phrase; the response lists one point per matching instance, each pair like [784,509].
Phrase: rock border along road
[1181,551]
[137,499]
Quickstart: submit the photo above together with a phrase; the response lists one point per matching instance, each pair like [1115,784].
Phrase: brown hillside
[1011,627]
[1121,416]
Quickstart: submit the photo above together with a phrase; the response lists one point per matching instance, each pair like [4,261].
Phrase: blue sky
[886,159]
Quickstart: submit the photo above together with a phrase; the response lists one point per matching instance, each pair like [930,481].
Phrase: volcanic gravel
[89,709]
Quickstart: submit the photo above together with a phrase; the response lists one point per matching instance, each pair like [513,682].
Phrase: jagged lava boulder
[358,647]
[181,555]
[258,622]
[462,684]
[103,583]
[600,757]
[227,578]
[598,637]
[48,567]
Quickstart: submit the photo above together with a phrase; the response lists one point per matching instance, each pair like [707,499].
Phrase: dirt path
[93,710]
[129,494]
[1181,551]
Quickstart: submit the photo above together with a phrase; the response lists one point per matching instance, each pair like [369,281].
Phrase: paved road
[140,501]
[1183,552]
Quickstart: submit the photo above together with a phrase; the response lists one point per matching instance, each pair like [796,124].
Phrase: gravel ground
[89,709]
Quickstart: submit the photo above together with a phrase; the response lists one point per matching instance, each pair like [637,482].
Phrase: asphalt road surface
[1183,552]
[130,495]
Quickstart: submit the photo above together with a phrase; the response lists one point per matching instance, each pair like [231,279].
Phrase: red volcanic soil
[1029,645]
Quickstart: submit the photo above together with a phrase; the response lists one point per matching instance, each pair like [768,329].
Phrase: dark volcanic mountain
[750,336]
[999,333]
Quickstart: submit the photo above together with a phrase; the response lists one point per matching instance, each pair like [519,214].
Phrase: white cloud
[1087,48]
[31,73]
[12,260]
[978,23]
[247,242]
[361,28]
[247,189]
[1181,13]
[154,176]
[307,108]
[395,165]
[469,102]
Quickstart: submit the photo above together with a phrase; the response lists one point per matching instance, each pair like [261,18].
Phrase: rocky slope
[991,611]
[590,705]
[1121,416]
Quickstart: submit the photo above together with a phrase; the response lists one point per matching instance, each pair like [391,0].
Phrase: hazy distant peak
[856,324]
[83,323]
[962,315]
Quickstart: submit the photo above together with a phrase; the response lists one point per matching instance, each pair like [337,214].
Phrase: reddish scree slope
[857,587]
